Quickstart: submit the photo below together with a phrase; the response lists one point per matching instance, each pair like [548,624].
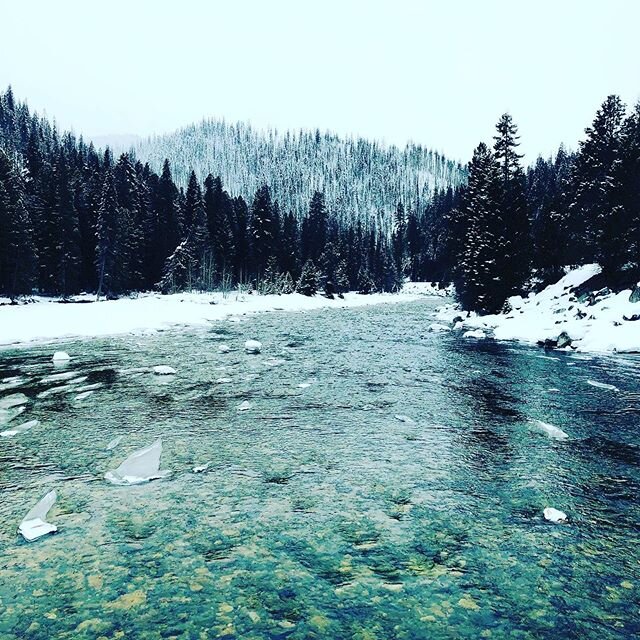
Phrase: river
[398,493]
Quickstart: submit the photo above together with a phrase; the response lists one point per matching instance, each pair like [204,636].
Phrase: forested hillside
[361,180]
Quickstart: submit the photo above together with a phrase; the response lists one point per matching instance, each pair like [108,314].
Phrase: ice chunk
[553,390]
[13,400]
[602,385]
[54,390]
[57,377]
[476,333]
[34,524]
[83,395]
[274,362]
[141,466]
[61,356]
[224,348]
[90,387]
[164,370]
[253,346]
[114,443]
[223,380]
[438,328]
[554,515]
[552,431]
[244,406]
[201,468]
[403,418]
[21,428]
[7,415]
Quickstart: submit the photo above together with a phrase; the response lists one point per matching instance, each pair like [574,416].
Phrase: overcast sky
[436,72]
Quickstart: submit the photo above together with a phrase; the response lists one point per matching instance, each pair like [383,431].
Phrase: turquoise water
[321,514]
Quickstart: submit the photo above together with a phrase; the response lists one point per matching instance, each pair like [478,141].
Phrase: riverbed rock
[564,340]
[253,346]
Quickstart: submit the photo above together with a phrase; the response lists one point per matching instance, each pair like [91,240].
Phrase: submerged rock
[114,443]
[253,346]
[61,356]
[552,431]
[164,370]
[142,465]
[554,515]
[34,524]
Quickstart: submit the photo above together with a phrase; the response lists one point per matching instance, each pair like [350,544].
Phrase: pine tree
[591,211]
[308,283]
[478,276]
[514,258]
[263,230]
[314,228]
[107,258]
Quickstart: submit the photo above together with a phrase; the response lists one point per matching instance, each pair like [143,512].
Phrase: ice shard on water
[34,524]
[552,431]
[141,466]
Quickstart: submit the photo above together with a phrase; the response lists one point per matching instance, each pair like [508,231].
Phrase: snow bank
[593,323]
[45,319]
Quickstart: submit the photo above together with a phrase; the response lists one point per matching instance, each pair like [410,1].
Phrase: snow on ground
[593,325]
[46,319]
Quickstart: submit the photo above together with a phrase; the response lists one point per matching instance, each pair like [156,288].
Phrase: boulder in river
[554,515]
[564,340]
[253,346]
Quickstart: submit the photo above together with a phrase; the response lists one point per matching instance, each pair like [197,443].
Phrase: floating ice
[141,466]
[547,358]
[55,390]
[403,418]
[11,383]
[554,515]
[552,431]
[201,468]
[553,390]
[114,443]
[57,377]
[21,428]
[438,328]
[164,370]
[83,395]
[7,415]
[223,380]
[602,385]
[90,387]
[244,406]
[61,356]
[14,400]
[252,346]
[34,525]
[476,333]
[224,348]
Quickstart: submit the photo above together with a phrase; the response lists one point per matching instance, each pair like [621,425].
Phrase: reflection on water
[320,514]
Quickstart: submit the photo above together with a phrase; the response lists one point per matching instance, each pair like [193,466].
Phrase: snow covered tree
[264,229]
[314,228]
[308,282]
[107,258]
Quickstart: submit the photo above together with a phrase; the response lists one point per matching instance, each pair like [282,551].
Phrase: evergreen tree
[107,258]
[314,228]
[308,283]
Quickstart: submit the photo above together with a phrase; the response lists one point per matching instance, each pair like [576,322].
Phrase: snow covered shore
[597,321]
[47,319]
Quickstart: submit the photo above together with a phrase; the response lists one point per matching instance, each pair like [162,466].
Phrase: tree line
[513,229]
[75,219]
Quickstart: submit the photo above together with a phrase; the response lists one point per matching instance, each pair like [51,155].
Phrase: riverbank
[587,319]
[49,319]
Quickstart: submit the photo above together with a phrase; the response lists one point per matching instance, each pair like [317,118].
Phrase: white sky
[439,73]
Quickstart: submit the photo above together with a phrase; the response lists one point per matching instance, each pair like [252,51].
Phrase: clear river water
[385,482]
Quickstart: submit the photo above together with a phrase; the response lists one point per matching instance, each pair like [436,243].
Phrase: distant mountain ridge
[360,178]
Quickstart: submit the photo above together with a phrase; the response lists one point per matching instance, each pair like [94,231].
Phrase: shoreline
[47,320]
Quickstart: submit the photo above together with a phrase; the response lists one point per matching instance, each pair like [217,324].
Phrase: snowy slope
[594,322]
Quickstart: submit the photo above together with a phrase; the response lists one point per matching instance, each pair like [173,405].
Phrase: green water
[321,515]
